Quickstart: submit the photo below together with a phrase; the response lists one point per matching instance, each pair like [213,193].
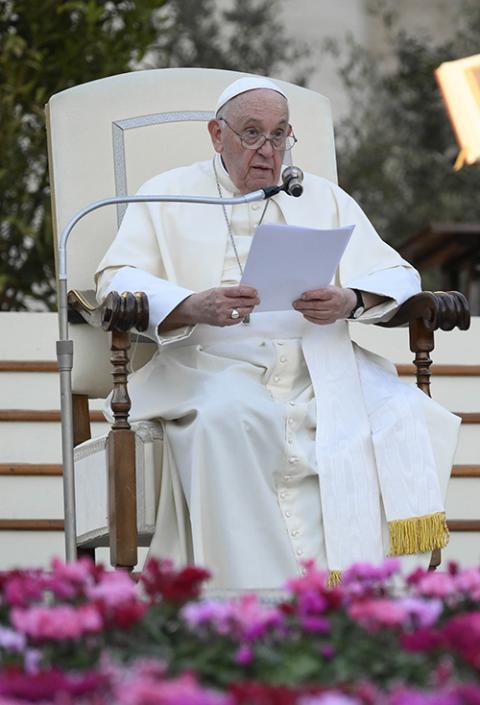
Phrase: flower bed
[81,634]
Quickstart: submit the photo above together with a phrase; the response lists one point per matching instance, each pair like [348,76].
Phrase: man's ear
[216,135]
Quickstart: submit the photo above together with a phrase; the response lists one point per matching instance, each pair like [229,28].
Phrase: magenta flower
[362,577]
[313,580]
[218,615]
[312,602]
[244,655]
[317,625]
[423,639]
[79,572]
[327,651]
[57,623]
[46,685]
[21,588]
[69,580]
[246,618]
[462,633]
[469,693]
[253,618]
[409,696]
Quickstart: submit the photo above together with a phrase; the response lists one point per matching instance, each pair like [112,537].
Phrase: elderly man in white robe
[283,440]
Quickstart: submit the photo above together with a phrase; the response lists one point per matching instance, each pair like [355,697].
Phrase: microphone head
[295,189]
[292,178]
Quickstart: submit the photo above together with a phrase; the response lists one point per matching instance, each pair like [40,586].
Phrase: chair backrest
[109,136]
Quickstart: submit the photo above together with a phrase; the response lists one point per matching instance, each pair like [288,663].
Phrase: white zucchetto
[242,85]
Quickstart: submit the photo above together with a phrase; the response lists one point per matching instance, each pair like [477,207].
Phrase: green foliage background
[51,45]
[396,149]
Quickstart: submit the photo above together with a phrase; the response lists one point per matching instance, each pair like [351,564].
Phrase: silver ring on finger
[235,314]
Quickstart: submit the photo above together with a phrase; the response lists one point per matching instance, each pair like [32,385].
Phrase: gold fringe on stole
[334,578]
[418,534]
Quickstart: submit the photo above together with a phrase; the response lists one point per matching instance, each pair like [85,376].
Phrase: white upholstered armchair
[106,138]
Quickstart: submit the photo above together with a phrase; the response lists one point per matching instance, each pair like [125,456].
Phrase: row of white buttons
[292,460]
[288,515]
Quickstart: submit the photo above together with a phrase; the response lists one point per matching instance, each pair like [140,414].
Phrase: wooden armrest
[119,312]
[425,313]
[442,310]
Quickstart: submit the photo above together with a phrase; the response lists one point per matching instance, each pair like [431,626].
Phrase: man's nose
[266,149]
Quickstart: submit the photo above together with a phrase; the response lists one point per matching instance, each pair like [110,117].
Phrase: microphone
[292,178]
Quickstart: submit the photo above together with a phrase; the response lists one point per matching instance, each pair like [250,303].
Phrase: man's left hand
[322,306]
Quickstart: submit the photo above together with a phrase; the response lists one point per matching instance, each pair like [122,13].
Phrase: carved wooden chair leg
[81,433]
[121,462]
[422,343]
[81,419]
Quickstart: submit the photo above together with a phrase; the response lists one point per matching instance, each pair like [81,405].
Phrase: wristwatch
[359,307]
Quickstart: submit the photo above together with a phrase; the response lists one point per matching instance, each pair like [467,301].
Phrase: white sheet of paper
[284,261]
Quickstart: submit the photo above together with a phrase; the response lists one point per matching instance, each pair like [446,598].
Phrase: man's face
[261,109]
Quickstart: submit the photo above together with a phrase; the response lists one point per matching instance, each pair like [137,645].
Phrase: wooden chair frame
[120,314]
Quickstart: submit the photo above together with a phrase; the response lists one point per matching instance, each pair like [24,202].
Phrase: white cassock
[283,440]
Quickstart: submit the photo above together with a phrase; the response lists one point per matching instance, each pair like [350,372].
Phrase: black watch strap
[359,307]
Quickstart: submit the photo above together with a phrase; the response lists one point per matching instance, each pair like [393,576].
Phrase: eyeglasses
[251,138]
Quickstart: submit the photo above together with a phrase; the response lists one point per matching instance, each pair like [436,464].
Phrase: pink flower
[114,588]
[468,582]
[246,618]
[361,578]
[57,623]
[317,625]
[311,581]
[374,613]
[253,618]
[218,615]
[312,596]
[117,599]
[183,690]
[436,584]
[69,580]
[422,613]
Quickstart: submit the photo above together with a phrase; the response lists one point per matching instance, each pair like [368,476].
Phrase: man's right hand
[213,306]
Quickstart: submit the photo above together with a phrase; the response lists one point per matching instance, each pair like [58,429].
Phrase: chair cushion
[91,497]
